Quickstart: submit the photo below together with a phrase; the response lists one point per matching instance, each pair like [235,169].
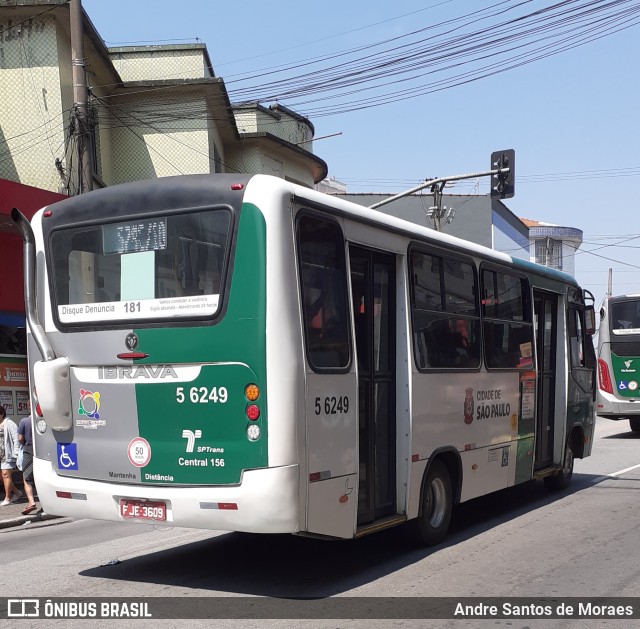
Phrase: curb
[29,519]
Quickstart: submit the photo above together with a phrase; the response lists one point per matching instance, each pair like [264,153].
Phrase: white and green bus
[240,353]
[619,360]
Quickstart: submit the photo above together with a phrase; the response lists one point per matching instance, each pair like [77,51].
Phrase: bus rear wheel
[635,424]
[436,504]
[562,479]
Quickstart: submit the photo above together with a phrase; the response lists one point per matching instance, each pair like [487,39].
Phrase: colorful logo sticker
[67,456]
[139,452]
[468,405]
[633,385]
[89,404]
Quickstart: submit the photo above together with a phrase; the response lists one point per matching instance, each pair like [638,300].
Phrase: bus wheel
[431,526]
[635,425]
[562,479]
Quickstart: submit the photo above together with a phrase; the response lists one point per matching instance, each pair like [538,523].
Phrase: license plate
[143,510]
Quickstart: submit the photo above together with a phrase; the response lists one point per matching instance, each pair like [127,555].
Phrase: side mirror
[590,320]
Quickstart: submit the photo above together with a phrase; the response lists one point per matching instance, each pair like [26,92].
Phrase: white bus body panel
[266,500]
[477,413]
[332,454]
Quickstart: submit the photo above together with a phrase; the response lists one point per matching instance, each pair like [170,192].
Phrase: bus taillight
[35,399]
[252,392]
[253,412]
[604,378]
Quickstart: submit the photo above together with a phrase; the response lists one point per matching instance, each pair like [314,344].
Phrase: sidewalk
[11,515]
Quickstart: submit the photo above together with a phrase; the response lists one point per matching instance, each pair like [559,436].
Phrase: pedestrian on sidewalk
[9,446]
[25,437]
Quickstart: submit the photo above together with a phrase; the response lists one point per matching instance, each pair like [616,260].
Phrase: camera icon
[23,608]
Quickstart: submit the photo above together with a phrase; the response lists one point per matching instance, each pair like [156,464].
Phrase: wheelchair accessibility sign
[67,456]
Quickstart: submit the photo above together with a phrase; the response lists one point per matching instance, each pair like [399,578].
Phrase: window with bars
[549,253]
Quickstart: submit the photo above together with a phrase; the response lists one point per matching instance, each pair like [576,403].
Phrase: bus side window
[582,352]
[576,339]
[323,284]
[445,317]
[507,325]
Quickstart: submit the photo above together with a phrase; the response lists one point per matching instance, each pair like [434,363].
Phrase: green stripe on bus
[177,417]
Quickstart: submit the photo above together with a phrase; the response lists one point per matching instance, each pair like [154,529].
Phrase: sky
[571,116]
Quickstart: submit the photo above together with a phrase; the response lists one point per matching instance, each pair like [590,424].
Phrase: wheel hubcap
[437,502]
[568,462]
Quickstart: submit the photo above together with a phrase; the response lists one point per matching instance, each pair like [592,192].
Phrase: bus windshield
[625,317]
[157,267]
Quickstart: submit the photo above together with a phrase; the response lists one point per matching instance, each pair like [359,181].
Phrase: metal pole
[431,182]
[29,261]
[82,130]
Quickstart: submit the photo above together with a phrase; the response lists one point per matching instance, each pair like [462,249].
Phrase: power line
[405,67]
[33,17]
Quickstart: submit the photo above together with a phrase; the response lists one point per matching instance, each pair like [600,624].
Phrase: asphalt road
[522,542]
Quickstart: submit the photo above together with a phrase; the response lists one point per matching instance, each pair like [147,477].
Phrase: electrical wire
[408,66]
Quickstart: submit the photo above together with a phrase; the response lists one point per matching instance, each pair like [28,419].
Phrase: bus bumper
[611,407]
[266,500]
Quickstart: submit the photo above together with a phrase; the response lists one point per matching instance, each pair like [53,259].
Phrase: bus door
[546,331]
[373,295]
[331,387]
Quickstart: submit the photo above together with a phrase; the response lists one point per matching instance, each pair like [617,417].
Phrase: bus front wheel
[562,479]
[436,503]
[635,424]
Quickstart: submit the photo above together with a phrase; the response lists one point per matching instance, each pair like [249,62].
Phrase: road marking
[618,473]
[626,469]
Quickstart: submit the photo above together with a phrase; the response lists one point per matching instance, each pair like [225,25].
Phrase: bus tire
[562,479]
[436,503]
[634,424]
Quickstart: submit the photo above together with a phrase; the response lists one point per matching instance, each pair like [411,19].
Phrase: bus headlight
[41,426]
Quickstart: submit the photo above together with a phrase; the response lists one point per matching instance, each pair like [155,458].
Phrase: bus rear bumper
[266,501]
[611,407]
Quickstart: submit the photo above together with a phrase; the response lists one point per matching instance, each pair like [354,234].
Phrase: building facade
[153,111]
[553,245]
[477,218]
[14,382]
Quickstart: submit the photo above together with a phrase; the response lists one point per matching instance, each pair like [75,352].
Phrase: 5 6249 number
[332,405]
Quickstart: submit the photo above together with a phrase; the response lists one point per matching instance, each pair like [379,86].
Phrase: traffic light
[503,184]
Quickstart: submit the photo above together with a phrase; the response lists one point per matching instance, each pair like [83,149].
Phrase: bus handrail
[29,261]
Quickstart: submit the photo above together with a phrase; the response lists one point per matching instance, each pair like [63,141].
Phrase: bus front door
[373,295]
[546,327]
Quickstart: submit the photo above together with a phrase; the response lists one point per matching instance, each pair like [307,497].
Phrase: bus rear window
[625,317]
[151,268]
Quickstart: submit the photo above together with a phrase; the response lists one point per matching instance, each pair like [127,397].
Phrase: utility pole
[81,125]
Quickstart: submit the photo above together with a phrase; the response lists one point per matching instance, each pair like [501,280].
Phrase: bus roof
[624,297]
[197,190]
[413,230]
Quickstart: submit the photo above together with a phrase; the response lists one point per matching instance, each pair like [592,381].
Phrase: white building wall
[278,123]
[144,146]
[569,258]
[507,239]
[153,63]
[33,116]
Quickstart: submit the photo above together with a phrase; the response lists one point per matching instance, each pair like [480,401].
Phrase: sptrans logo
[191,436]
